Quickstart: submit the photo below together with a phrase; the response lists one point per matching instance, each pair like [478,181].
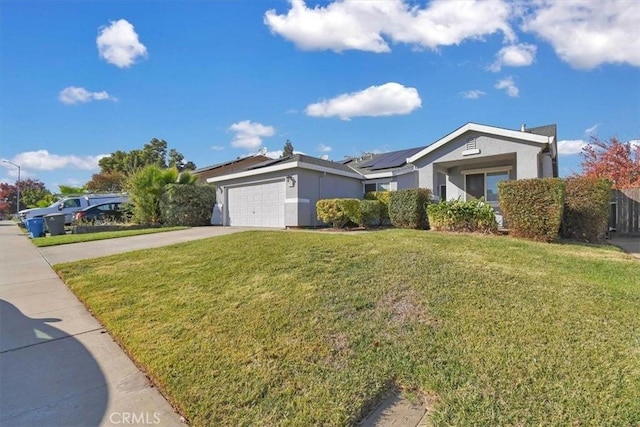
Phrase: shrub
[456,215]
[146,187]
[371,212]
[532,208]
[189,205]
[407,208]
[586,208]
[383,197]
[339,212]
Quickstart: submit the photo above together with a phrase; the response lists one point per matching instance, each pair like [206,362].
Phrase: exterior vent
[471,144]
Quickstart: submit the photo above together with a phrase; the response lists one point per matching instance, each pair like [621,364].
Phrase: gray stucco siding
[492,152]
[315,186]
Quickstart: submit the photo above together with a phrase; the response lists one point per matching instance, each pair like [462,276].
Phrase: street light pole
[17,187]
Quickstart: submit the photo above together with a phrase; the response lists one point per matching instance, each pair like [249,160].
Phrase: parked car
[113,211]
[71,205]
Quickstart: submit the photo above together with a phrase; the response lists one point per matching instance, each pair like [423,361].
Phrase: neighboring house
[225,168]
[469,162]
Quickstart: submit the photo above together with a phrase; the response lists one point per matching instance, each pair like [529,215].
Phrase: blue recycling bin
[35,227]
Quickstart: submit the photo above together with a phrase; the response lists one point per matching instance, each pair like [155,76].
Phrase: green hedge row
[586,208]
[384,198]
[339,212]
[533,208]
[456,215]
[189,205]
[407,208]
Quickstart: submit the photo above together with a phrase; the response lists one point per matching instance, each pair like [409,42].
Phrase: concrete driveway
[631,245]
[99,248]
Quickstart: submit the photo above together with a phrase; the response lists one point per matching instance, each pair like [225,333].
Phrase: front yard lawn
[65,239]
[296,328]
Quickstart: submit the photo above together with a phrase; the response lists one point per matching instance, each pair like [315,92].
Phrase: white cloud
[472,94]
[249,134]
[118,44]
[589,33]
[635,143]
[274,154]
[516,55]
[569,147]
[324,148]
[385,100]
[43,160]
[367,25]
[76,95]
[217,147]
[592,130]
[509,86]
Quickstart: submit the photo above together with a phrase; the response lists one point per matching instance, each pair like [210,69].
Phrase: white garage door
[257,205]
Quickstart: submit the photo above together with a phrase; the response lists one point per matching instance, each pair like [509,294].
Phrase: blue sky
[222,79]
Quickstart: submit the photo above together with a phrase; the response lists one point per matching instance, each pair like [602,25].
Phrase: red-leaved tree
[614,160]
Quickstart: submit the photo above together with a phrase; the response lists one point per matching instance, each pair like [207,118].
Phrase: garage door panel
[257,205]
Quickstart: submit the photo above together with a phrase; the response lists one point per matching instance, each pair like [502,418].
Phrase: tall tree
[287,150]
[32,192]
[68,189]
[107,182]
[614,160]
[155,152]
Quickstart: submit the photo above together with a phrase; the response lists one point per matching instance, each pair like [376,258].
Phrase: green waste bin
[55,223]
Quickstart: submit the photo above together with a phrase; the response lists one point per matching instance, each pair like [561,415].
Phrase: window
[492,180]
[443,192]
[475,185]
[71,203]
[377,186]
[484,183]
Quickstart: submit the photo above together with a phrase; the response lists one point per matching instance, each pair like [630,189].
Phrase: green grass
[273,328]
[89,237]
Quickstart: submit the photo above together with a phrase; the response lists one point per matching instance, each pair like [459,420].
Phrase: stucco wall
[526,164]
[318,185]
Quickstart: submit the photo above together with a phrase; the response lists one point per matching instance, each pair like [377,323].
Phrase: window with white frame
[484,183]
[377,186]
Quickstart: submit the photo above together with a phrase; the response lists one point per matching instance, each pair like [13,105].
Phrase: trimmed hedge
[189,205]
[383,197]
[407,208]
[338,212]
[456,215]
[532,207]
[586,208]
[372,212]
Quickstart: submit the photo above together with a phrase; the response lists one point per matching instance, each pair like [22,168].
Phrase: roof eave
[529,137]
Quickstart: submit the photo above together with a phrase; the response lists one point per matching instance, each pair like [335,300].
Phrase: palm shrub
[407,208]
[456,215]
[146,187]
[532,208]
[338,212]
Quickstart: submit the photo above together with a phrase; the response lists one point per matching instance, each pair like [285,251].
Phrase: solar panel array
[390,160]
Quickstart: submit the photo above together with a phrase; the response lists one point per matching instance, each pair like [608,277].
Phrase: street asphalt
[58,366]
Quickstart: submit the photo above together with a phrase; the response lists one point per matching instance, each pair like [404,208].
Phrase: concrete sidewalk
[58,367]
